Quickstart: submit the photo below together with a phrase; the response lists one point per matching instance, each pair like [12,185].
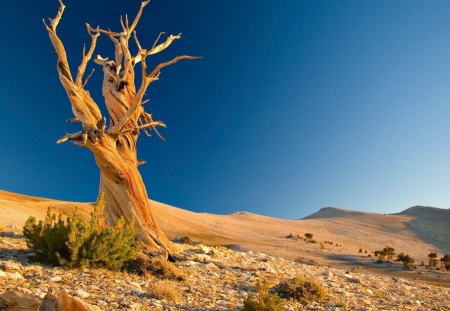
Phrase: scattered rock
[14,276]
[56,279]
[184,240]
[82,294]
[8,266]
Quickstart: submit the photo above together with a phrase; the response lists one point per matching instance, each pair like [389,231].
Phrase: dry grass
[166,270]
[301,289]
[164,290]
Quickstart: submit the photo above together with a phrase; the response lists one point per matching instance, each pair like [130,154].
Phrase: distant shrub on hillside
[308,236]
[407,261]
[75,242]
[386,253]
[300,289]
[263,301]
[433,259]
[445,262]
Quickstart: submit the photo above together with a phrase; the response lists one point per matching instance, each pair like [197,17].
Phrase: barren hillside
[407,232]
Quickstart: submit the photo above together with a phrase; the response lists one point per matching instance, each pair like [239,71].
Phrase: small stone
[56,279]
[327,273]
[206,249]
[8,266]
[82,294]
[221,303]
[14,276]
[135,306]
[269,268]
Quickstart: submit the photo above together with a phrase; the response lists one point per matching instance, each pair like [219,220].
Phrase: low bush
[75,242]
[156,267]
[407,261]
[263,301]
[163,290]
[300,289]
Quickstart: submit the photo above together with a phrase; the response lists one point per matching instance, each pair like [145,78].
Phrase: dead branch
[146,81]
[136,19]
[145,126]
[83,106]
[86,57]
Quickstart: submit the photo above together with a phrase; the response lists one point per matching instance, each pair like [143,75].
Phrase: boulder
[16,301]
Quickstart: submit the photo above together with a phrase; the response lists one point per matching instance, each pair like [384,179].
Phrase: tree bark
[126,195]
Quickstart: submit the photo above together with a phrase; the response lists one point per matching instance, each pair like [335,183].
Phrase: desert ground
[416,231]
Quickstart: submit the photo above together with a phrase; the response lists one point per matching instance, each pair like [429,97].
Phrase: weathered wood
[114,148]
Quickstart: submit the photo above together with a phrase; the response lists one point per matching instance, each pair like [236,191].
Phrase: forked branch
[84,108]
[86,56]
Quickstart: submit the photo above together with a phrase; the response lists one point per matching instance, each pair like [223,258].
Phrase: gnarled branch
[83,106]
[146,81]
[86,57]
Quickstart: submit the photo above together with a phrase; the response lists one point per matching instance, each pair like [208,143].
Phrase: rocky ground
[217,278]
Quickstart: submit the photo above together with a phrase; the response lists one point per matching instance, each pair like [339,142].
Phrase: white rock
[14,275]
[269,268]
[8,266]
[56,279]
[2,274]
[82,294]
[369,291]
[221,302]
[206,249]
[327,273]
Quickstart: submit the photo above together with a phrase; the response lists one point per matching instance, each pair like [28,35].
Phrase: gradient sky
[296,105]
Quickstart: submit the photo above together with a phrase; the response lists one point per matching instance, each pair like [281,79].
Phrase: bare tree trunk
[114,148]
[126,195]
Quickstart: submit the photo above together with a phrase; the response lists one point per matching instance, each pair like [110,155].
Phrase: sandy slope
[409,233]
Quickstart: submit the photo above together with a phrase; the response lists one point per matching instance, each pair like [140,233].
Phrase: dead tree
[114,145]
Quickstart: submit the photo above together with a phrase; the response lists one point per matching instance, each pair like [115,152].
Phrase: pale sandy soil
[412,234]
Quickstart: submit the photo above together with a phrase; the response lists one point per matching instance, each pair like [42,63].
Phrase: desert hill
[414,231]
[334,212]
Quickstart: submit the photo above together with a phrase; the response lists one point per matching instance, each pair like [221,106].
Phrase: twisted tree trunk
[114,148]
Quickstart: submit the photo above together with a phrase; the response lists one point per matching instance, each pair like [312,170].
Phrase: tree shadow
[11,235]
[9,251]
[431,231]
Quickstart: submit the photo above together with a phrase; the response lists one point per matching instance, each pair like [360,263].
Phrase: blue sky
[296,105]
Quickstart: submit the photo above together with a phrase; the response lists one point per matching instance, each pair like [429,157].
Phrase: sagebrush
[76,242]
[164,290]
[300,289]
[264,300]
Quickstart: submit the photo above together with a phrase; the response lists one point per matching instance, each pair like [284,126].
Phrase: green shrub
[263,301]
[301,289]
[407,261]
[75,242]
[308,236]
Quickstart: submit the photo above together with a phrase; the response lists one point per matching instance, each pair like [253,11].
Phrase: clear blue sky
[296,105]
